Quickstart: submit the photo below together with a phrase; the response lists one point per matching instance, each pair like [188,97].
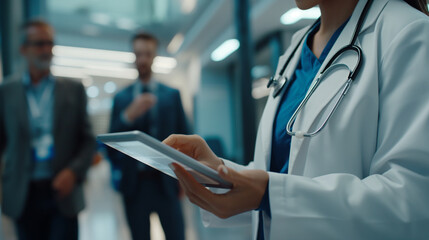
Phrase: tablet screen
[157,155]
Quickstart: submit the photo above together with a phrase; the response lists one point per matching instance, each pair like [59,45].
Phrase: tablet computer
[155,154]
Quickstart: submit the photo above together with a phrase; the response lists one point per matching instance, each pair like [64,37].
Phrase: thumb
[227,173]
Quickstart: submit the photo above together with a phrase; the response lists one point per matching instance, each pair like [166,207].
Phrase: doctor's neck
[334,13]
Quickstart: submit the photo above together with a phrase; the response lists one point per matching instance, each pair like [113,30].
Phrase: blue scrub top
[305,72]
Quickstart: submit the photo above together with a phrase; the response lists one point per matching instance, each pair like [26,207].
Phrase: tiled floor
[103,218]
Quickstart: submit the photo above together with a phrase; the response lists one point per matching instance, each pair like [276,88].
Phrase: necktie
[145,123]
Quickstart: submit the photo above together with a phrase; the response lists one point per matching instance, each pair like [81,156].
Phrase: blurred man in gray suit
[46,143]
[155,109]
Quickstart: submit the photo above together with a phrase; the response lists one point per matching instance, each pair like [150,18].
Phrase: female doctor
[342,151]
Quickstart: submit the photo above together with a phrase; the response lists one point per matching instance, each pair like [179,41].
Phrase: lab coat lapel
[332,84]
[270,110]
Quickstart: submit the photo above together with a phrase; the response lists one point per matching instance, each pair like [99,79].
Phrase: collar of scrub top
[329,67]
[279,82]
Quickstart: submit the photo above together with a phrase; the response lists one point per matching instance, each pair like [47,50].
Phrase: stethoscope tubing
[328,67]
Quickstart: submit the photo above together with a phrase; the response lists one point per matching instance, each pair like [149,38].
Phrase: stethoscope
[281,81]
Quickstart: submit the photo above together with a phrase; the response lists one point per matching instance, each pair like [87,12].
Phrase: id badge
[43,148]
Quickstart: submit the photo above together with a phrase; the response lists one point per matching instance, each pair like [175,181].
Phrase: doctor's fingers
[190,185]
[193,198]
[249,186]
[191,145]
[186,142]
[237,200]
[214,203]
[179,140]
[196,192]
[222,205]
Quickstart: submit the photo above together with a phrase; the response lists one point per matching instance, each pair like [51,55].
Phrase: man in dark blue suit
[155,109]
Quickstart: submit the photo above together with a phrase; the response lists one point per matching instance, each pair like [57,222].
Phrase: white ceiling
[210,23]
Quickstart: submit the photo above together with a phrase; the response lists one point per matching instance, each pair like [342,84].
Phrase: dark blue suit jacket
[170,118]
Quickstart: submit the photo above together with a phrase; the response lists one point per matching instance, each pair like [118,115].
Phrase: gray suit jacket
[73,139]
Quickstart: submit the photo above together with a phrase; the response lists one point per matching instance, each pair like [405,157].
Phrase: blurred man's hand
[64,182]
[140,106]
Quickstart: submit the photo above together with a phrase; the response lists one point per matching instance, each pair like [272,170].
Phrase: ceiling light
[92,92]
[110,87]
[163,65]
[95,71]
[96,54]
[188,6]
[90,30]
[100,18]
[175,43]
[161,70]
[87,81]
[165,62]
[260,71]
[78,62]
[124,73]
[126,24]
[295,14]
[259,88]
[68,72]
[225,49]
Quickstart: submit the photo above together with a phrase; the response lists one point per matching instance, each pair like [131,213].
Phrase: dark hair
[420,5]
[32,23]
[144,36]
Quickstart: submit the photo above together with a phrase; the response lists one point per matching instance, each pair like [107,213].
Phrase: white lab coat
[366,174]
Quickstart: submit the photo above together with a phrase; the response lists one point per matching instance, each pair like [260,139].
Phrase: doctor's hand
[246,194]
[195,147]
[140,106]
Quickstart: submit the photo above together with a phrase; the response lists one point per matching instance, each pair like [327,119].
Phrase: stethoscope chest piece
[277,84]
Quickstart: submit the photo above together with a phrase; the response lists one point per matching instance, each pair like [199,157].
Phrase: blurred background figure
[47,142]
[155,109]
